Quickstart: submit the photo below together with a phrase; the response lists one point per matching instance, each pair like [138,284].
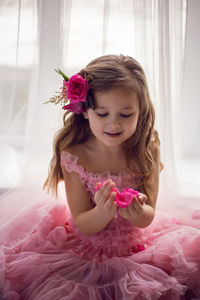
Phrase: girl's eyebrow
[102,107]
[127,107]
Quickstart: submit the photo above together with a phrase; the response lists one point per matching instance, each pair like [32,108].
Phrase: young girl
[108,244]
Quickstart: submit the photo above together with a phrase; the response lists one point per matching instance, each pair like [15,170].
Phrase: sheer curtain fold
[42,119]
[171,40]
[65,18]
[10,111]
[17,30]
[164,94]
[106,11]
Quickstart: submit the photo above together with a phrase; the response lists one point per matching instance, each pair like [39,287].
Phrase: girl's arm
[142,210]
[88,219]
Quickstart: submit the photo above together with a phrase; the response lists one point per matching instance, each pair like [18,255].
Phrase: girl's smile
[114,120]
[112,134]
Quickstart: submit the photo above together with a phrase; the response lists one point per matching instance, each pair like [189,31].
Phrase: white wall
[191,87]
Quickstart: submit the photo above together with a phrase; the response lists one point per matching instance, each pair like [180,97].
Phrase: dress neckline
[103,174]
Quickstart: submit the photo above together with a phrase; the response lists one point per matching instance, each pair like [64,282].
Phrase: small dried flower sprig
[73,94]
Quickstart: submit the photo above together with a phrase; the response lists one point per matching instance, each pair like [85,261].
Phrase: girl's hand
[136,212]
[104,198]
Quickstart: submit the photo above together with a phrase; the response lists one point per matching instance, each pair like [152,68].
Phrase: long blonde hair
[105,73]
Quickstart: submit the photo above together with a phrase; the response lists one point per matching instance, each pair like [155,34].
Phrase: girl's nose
[114,121]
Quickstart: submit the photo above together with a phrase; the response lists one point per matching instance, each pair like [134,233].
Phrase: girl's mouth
[116,134]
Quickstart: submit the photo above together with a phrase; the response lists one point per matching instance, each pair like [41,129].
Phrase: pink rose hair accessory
[124,198]
[77,88]
[74,93]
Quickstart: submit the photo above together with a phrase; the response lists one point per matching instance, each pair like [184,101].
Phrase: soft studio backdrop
[39,36]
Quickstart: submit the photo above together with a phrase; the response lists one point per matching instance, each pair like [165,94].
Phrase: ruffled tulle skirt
[44,257]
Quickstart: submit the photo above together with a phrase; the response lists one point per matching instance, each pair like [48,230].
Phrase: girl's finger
[112,207]
[104,191]
[102,185]
[107,188]
[110,203]
[125,212]
[137,206]
[122,212]
[142,198]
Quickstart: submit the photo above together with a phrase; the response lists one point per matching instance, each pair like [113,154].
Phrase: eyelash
[126,116]
[122,115]
[101,115]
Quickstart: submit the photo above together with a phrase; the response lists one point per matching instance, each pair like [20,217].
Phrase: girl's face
[114,120]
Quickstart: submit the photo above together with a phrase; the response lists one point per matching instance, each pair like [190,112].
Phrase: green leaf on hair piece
[63,75]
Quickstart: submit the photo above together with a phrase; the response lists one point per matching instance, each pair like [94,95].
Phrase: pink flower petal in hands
[123,199]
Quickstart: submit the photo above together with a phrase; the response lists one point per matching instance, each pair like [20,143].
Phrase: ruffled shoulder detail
[70,163]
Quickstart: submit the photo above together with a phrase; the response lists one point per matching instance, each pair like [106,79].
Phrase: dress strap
[70,163]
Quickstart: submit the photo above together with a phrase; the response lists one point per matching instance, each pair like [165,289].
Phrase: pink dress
[51,259]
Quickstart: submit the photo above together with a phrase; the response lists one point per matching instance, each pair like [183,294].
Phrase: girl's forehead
[116,97]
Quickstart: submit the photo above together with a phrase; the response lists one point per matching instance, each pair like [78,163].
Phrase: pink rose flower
[77,88]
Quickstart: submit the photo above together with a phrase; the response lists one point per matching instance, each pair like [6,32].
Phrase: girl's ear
[85,114]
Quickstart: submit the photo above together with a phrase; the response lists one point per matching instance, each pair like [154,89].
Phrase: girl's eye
[106,114]
[125,116]
[102,115]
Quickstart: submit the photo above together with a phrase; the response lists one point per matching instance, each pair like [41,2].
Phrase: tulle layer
[67,276]
[54,261]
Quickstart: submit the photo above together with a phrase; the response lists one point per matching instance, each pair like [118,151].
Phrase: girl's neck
[104,150]
[98,158]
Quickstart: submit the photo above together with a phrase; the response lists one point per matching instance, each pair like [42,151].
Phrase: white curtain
[48,34]
[18,22]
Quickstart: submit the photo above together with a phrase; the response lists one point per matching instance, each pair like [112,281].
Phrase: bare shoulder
[81,151]
[86,154]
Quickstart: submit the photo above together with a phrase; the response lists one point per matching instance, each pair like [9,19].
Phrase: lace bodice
[89,179]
